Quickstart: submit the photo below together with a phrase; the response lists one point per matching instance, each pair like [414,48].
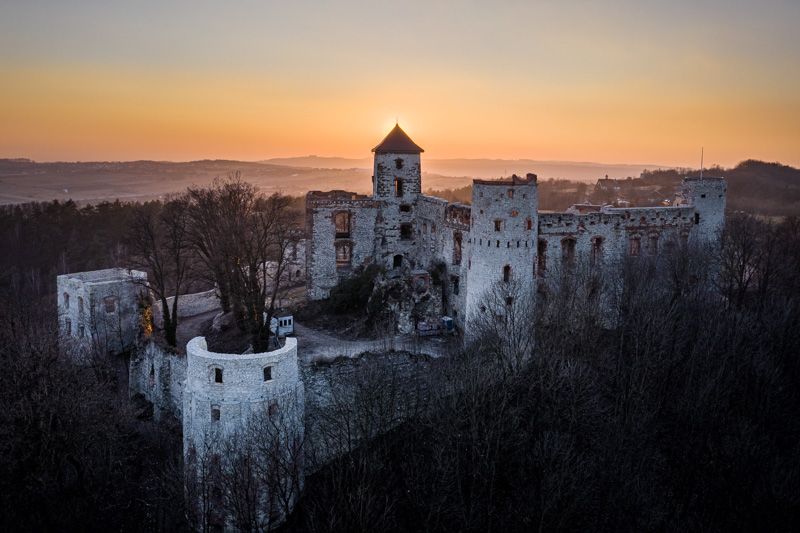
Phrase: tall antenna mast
[701,162]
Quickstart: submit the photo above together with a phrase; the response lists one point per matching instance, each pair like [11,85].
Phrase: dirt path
[315,345]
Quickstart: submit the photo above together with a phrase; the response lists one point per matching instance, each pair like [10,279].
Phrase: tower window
[697,218]
[568,251]
[652,244]
[597,250]
[398,163]
[455,281]
[542,257]
[80,305]
[267,373]
[406,231]
[405,208]
[511,193]
[506,273]
[497,224]
[636,246]
[344,254]
[457,248]
[66,300]
[398,187]
[68,326]
[110,303]
[398,261]
[215,414]
[217,375]
[529,224]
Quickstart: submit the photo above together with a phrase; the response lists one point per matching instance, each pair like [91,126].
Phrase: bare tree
[159,243]
[245,239]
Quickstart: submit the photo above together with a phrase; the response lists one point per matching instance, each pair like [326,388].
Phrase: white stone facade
[99,309]
[404,232]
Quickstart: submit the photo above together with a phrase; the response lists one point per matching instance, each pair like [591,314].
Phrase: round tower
[241,410]
[503,238]
[397,183]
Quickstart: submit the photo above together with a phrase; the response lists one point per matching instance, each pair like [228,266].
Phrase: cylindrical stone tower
[247,406]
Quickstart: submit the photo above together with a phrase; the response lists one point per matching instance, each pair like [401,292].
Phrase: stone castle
[446,256]
[501,237]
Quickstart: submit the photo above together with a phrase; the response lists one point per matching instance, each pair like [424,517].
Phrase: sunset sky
[629,81]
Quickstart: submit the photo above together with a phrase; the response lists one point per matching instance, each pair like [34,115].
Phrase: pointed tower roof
[397,142]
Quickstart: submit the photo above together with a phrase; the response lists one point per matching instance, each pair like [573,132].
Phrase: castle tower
[239,410]
[708,196]
[503,238]
[99,308]
[397,183]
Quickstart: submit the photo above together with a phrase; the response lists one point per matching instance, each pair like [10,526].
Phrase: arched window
[68,326]
[66,300]
[80,305]
[398,261]
[506,273]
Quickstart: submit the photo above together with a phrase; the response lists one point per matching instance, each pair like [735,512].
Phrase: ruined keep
[99,308]
[501,238]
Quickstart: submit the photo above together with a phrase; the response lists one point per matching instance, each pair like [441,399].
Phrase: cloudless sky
[627,81]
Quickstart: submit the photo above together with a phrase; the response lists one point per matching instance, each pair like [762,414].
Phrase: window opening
[66,300]
[110,304]
[568,251]
[506,273]
[267,373]
[542,257]
[511,193]
[398,261]
[636,246]
[652,245]
[497,225]
[596,250]
[406,232]
[398,188]
[342,223]
[215,414]
[344,254]
[217,375]
[405,208]
[457,247]
[68,326]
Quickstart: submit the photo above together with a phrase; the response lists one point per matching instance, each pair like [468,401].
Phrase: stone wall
[159,377]
[327,248]
[188,305]
[503,239]
[99,308]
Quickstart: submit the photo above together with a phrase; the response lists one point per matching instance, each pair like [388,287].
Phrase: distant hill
[753,186]
[482,168]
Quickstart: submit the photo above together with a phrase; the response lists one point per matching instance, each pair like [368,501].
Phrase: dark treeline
[667,400]
[42,240]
